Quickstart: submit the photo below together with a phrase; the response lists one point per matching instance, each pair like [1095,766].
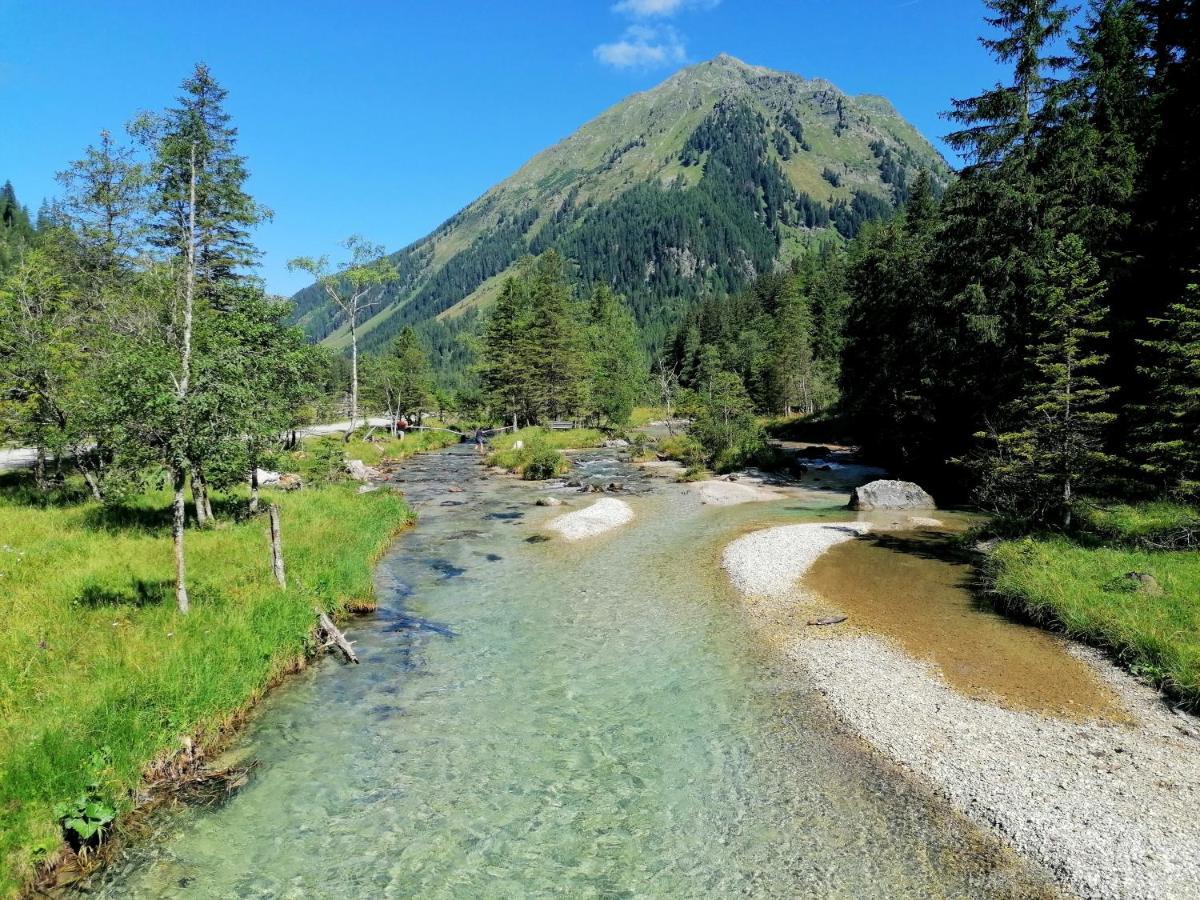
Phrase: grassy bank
[1082,585]
[99,675]
[541,449]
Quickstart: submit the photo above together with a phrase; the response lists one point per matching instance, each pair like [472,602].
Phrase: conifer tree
[1170,438]
[506,369]
[793,373]
[618,369]
[1007,117]
[556,340]
[1053,448]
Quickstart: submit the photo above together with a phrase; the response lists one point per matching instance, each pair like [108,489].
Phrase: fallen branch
[334,637]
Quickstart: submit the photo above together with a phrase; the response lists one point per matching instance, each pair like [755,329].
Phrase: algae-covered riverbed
[543,718]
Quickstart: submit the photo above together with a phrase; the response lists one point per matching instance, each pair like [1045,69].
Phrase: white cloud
[643,47]
[646,9]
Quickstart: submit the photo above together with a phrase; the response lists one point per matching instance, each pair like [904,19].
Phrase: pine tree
[1039,467]
[1170,437]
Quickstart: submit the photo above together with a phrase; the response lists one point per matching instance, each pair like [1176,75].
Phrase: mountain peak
[723,171]
[725,59]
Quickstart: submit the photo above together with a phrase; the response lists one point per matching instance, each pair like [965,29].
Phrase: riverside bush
[544,463]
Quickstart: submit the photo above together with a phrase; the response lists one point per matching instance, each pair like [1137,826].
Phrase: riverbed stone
[886,494]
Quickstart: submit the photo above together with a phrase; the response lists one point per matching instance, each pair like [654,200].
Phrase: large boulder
[891,495]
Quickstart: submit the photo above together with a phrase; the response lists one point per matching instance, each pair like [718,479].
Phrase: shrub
[543,463]
[682,448]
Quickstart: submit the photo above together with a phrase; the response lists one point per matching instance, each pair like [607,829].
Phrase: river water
[536,718]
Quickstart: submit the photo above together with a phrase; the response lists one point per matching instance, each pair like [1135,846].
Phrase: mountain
[722,172]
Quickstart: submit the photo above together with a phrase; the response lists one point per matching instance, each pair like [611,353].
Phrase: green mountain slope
[721,172]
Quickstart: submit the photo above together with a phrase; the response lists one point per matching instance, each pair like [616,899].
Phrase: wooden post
[276,546]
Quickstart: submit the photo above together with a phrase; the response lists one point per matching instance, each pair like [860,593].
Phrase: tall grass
[1083,586]
[99,675]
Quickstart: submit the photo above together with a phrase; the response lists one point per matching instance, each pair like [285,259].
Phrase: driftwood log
[828,620]
[334,637]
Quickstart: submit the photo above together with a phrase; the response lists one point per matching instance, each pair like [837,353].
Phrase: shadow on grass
[18,489]
[139,516]
[140,593]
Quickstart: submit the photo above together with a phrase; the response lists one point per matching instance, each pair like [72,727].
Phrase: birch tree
[353,287]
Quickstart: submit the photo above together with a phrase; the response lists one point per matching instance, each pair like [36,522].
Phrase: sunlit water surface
[539,718]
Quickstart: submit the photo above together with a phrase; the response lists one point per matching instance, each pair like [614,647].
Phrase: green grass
[385,447]
[644,415]
[1145,525]
[99,675]
[536,442]
[1080,585]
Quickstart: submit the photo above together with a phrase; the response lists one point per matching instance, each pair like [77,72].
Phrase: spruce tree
[506,360]
[1170,436]
[555,341]
[1007,117]
[1052,449]
[618,368]
[196,137]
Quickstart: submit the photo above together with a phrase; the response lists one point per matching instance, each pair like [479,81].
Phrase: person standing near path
[479,442]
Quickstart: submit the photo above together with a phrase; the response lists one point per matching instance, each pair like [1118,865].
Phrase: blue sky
[384,118]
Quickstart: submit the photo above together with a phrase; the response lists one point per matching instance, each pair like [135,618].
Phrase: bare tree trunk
[39,469]
[353,371]
[253,484]
[199,500]
[179,475]
[92,483]
[177,522]
[276,546]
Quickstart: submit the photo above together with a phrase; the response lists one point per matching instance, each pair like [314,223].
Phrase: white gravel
[1112,810]
[601,516]
[768,563]
[730,493]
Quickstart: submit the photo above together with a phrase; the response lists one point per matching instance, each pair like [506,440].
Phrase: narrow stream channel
[542,718]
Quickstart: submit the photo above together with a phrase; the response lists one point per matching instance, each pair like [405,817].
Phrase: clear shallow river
[541,718]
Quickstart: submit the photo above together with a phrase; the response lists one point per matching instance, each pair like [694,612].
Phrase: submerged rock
[891,495]
[549,501]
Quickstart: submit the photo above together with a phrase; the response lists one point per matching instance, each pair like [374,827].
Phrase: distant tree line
[547,354]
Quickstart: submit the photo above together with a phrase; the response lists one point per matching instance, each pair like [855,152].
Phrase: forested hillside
[722,173]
